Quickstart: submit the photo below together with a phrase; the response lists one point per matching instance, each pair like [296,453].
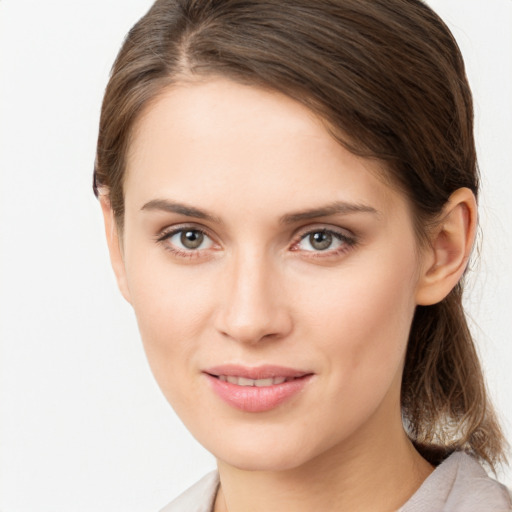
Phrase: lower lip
[257,399]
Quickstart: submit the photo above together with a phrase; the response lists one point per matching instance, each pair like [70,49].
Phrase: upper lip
[255,372]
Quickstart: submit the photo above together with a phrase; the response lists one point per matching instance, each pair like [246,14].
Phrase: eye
[319,241]
[186,240]
[324,240]
[190,238]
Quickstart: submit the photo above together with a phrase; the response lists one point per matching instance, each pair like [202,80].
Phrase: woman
[289,192]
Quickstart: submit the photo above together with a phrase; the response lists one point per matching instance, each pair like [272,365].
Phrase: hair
[389,80]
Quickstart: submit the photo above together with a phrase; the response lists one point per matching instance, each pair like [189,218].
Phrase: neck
[377,470]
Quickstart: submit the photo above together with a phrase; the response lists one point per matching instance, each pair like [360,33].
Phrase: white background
[83,426]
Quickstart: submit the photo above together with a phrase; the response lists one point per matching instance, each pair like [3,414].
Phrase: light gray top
[459,484]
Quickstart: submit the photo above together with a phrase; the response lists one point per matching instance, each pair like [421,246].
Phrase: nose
[253,305]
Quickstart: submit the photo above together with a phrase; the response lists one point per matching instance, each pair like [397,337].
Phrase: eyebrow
[336,208]
[180,208]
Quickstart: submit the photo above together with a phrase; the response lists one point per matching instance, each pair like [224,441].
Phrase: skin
[258,291]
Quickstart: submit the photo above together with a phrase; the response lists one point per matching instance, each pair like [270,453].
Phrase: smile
[256,390]
[260,383]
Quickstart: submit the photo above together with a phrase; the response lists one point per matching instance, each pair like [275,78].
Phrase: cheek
[172,305]
[369,293]
[364,313]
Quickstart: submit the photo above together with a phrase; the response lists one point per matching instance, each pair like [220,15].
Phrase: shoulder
[459,484]
[198,498]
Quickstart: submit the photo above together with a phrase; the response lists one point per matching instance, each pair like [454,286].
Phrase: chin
[265,453]
[261,461]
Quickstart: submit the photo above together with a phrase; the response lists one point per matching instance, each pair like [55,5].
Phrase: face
[272,272]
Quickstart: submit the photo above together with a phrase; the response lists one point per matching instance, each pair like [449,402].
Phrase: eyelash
[348,242]
[164,236]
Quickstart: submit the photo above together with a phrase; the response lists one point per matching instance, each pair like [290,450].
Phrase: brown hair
[388,78]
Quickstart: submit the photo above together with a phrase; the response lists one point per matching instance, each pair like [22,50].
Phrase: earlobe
[450,247]
[114,246]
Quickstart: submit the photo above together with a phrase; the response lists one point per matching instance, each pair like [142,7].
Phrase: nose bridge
[253,308]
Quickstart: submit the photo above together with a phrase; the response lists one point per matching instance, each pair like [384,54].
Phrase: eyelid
[177,228]
[164,235]
[343,234]
[328,228]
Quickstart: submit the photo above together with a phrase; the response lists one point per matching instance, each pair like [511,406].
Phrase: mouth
[258,389]
[256,372]
[260,383]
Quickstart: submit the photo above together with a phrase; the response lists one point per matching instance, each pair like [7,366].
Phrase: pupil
[192,239]
[320,240]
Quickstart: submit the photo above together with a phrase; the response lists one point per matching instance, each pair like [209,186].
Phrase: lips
[260,383]
[256,389]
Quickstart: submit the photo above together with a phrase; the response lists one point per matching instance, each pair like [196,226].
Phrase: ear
[451,241]
[114,243]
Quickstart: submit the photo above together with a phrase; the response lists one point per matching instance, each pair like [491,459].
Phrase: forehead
[216,138]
